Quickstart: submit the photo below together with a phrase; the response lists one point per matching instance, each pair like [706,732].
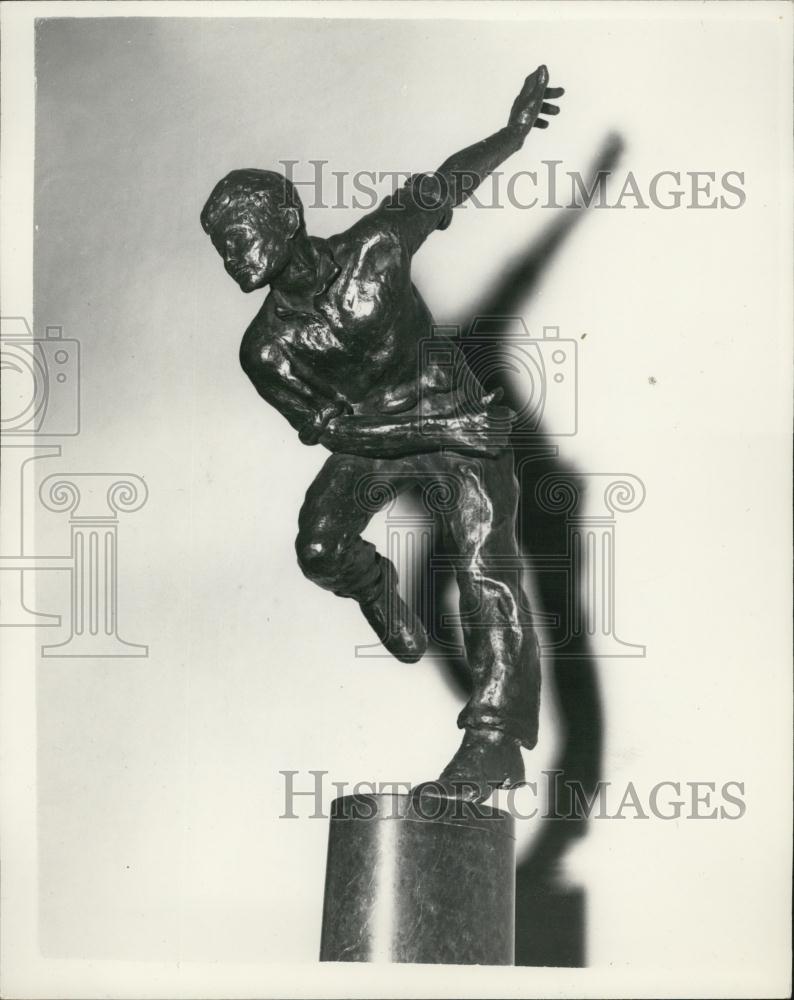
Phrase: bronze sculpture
[335,349]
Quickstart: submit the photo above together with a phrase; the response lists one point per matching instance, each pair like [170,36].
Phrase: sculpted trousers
[477,512]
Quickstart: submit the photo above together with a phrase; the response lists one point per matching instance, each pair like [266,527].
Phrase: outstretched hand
[533,101]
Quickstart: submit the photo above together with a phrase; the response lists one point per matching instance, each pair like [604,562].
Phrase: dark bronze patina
[336,348]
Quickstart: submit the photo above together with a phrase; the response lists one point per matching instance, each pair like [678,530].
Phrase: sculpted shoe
[487,759]
[397,627]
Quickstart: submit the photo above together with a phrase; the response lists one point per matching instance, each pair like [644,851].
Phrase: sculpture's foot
[487,759]
[395,624]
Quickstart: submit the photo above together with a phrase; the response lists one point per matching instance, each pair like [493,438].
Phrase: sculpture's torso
[362,338]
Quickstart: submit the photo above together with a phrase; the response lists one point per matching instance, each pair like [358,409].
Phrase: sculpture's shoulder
[259,340]
[371,242]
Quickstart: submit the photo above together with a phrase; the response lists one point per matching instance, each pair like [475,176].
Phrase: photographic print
[396,498]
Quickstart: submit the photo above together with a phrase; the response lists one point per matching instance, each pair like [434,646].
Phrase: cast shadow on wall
[550,915]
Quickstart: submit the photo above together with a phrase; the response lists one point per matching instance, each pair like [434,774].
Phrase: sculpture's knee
[317,558]
[489,596]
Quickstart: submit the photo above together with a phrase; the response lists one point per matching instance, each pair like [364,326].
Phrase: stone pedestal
[427,881]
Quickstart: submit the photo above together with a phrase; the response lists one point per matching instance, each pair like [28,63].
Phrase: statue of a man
[335,348]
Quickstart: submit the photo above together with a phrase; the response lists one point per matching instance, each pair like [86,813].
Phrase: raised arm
[466,170]
[426,202]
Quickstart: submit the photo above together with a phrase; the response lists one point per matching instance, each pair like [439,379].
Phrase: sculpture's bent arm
[274,377]
[484,432]
[321,416]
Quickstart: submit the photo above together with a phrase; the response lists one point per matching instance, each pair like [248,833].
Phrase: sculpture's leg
[501,645]
[332,553]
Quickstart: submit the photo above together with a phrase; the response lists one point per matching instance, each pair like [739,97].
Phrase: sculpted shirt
[361,340]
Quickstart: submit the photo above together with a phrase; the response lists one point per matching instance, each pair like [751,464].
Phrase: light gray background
[158,779]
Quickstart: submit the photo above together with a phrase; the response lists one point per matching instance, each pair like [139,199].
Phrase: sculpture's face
[253,253]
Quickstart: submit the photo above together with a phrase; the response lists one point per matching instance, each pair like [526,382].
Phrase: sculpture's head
[252,216]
